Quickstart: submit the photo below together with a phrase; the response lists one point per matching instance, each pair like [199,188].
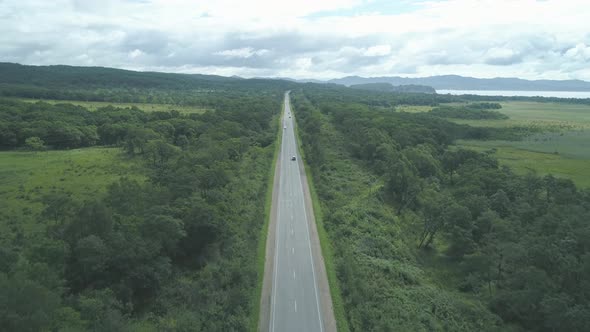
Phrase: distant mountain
[110,84]
[455,82]
[305,80]
[61,75]
[387,87]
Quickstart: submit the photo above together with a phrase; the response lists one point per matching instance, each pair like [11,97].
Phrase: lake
[558,94]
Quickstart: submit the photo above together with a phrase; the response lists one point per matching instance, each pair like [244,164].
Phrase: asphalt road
[295,302]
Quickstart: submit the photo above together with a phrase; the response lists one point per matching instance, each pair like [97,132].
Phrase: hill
[386,87]
[455,82]
[118,85]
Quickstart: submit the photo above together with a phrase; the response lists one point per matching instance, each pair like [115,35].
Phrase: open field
[94,105]
[413,108]
[26,176]
[523,158]
[550,116]
[561,146]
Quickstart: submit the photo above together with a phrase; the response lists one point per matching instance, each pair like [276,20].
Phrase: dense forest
[175,252]
[116,85]
[427,236]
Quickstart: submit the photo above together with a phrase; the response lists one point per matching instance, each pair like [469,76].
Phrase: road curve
[297,297]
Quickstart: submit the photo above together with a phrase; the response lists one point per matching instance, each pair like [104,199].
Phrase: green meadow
[524,159]
[94,105]
[413,108]
[549,116]
[25,177]
[560,147]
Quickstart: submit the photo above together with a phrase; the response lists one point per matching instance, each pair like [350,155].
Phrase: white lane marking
[291,230]
[293,250]
[294,275]
[295,305]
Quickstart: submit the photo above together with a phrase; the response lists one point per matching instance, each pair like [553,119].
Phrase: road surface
[298,302]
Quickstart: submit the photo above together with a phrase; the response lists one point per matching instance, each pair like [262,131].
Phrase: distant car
[285,127]
[293,158]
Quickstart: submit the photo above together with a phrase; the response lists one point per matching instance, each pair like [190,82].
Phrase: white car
[285,127]
[293,158]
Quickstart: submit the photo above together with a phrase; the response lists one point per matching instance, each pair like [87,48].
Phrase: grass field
[26,176]
[94,105]
[562,148]
[413,108]
[550,116]
[522,158]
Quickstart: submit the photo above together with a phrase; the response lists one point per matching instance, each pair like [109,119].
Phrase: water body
[558,94]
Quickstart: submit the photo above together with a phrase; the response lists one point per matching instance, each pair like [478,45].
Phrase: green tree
[26,305]
[137,138]
[402,182]
[433,204]
[164,230]
[35,144]
[159,152]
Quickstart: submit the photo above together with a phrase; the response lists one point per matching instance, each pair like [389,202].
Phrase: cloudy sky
[305,38]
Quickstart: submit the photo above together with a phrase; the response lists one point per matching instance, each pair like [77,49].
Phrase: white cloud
[482,38]
[244,52]
[378,50]
[580,52]
[135,54]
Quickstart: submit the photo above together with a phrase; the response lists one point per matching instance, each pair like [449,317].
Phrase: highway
[295,300]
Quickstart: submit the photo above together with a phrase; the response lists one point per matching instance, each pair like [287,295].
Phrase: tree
[433,203]
[35,144]
[58,207]
[500,203]
[422,159]
[102,311]
[158,152]
[137,138]
[402,182]
[26,305]
[461,228]
[165,231]
[90,260]
[8,137]
[182,141]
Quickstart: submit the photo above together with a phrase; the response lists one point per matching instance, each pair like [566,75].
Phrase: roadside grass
[147,107]
[261,251]
[571,161]
[327,251]
[26,176]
